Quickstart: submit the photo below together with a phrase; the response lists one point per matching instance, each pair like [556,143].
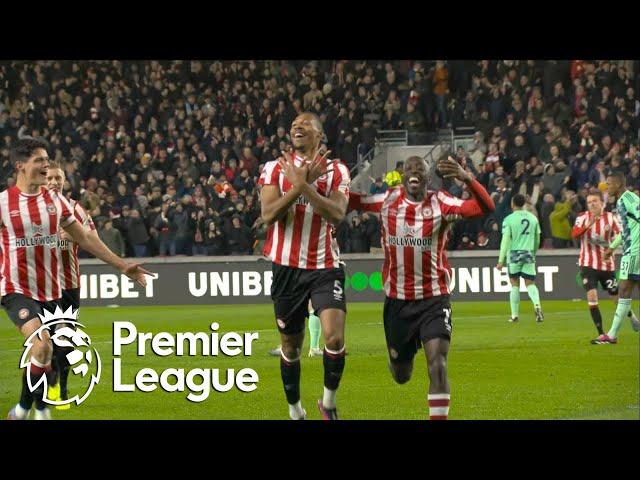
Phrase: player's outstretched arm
[95,246]
[482,202]
[366,203]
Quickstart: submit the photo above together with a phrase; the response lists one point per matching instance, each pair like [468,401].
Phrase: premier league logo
[66,332]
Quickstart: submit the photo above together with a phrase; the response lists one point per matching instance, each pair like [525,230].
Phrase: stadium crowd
[165,155]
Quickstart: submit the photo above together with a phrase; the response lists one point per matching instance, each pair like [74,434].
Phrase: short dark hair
[518,200]
[619,176]
[399,164]
[24,147]
[596,193]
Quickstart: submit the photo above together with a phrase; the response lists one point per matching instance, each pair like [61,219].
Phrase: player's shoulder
[445,197]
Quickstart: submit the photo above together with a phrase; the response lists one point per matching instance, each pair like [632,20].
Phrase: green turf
[497,370]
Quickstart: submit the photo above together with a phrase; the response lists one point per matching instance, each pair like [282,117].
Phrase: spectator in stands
[394,177]
[215,241]
[372,230]
[358,238]
[239,238]
[111,238]
[560,220]
[163,232]
[378,186]
[440,90]
[138,234]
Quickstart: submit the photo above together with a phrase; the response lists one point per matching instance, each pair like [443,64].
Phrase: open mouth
[414,181]
[299,135]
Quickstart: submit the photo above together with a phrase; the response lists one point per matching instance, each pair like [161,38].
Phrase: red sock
[438,406]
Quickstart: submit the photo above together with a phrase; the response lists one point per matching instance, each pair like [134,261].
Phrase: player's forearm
[481,195]
[504,248]
[577,232]
[326,207]
[616,242]
[273,211]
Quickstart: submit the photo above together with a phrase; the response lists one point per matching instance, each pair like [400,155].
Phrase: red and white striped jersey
[303,239]
[594,240]
[29,226]
[415,235]
[69,269]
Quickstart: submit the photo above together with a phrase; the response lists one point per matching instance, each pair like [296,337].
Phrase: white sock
[329,398]
[43,414]
[20,412]
[296,412]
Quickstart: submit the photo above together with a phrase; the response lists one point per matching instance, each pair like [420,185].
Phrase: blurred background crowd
[165,155]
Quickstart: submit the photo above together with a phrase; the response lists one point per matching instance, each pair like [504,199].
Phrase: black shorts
[21,308]
[409,323]
[591,278]
[70,298]
[291,289]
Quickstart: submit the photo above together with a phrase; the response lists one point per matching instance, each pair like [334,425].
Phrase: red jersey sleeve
[341,178]
[453,208]
[83,217]
[366,203]
[66,212]
[270,174]
[580,226]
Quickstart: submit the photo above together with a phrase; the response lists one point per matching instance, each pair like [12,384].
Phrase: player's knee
[438,368]
[42,350]
[592,296]
[334,341]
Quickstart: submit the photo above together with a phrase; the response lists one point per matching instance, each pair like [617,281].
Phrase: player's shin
[37,370]
[622,310]
[514,299]
[333,361]
[26,396]
[534,295]
[596,316]
[290,372]
[314,331]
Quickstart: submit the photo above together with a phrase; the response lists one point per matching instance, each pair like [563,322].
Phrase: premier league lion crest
[66,332]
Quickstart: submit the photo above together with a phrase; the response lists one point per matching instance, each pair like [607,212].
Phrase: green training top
[520,237]
[628,206]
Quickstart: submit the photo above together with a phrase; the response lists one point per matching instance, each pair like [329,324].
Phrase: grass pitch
[497,370]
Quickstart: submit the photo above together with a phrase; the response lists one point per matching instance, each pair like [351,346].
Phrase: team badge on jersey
[427,212]
[51,209]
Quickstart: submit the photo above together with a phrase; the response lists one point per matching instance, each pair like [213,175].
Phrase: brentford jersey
[303,239]
[594,240]
[415,235]
[69,269]
[30,225]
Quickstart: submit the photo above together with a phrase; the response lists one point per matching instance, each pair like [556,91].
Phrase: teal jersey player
[628,206]
[520,242]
